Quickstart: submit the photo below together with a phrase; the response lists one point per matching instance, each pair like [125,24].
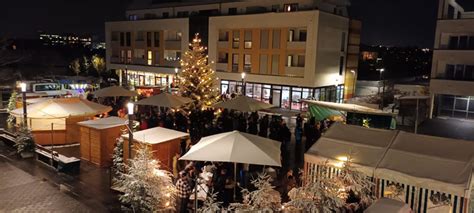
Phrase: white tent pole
[416,115]
[235,179]
[195,193]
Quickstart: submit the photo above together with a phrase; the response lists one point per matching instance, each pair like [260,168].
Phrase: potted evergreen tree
[25,143]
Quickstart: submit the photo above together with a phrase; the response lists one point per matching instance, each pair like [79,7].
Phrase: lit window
[248,39]
[150,57]
[235,39]
[290,7]
[247,63]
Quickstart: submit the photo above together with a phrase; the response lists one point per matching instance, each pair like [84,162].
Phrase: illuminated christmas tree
[197,79]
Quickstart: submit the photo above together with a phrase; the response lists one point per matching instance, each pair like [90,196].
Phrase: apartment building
[452,74]
[289,50]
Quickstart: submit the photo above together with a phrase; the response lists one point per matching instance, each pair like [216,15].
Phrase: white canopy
[62,108]
[156,135]
[37,100]
[348,107]
[165,100]
[236,147]
[114,91]
[104,123]
[243,104]
[440,164]
[388,206]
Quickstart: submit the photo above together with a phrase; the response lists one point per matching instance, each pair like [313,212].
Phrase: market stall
[98,138]
[55,121]
[164,143]
[429,173]
[352,114]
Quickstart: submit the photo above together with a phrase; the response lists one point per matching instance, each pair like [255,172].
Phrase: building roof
[156,135]
[104,123]
[435,163]
[149,4]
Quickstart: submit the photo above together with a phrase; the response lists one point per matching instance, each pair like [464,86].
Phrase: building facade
[452,74]
[289,50]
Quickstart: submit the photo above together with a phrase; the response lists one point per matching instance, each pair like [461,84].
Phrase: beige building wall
[453,22]
[162,26]
[322,48]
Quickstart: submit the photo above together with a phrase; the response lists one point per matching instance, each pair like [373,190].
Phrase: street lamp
[354,83]
[130,107]
[243,82]
[381,70]
[23,91]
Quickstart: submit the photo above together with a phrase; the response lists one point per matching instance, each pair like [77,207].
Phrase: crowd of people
[218,177]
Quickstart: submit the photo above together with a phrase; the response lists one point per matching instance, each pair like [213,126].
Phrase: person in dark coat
[263,126]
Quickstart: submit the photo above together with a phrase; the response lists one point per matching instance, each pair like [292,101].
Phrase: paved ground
[449,128]
[22,192]
[90,187]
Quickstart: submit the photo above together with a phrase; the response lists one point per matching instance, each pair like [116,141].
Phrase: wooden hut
[55,121]
[164,143]
[98,138]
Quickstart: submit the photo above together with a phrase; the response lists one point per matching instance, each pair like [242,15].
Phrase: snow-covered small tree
[117,160]
[326,194]
[210,205]
[348,189]
[24,141]
[358,185]
[197,79]
[146,187]
[11,106]
[264,198]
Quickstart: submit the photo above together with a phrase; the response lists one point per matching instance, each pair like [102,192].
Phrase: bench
[61,163]
[7,138]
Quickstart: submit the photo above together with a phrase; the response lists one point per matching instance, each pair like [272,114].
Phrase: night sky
[386,22]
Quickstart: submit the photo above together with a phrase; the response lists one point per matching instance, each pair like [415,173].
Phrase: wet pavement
[22,192]
[449,128]
[88,191]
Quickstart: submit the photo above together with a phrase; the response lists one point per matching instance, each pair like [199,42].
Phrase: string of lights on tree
[197,78]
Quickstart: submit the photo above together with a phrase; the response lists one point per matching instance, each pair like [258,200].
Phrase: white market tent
[37,100]
[114,91]
[243,104]
[236,147]
[165,100]
[55,120]
[424,162]
[62,108]
[388,206]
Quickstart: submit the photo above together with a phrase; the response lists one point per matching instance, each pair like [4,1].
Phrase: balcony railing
[463,77]
[294,71]
[173,45]
[223,44]
[221,66]
[296,44]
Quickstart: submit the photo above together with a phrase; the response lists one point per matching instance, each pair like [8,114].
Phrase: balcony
[296,45]
[452,87]
[221,66]
[223,44]
[172,45]
[294,71]
[140,44]
[115,60]
[171,64]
